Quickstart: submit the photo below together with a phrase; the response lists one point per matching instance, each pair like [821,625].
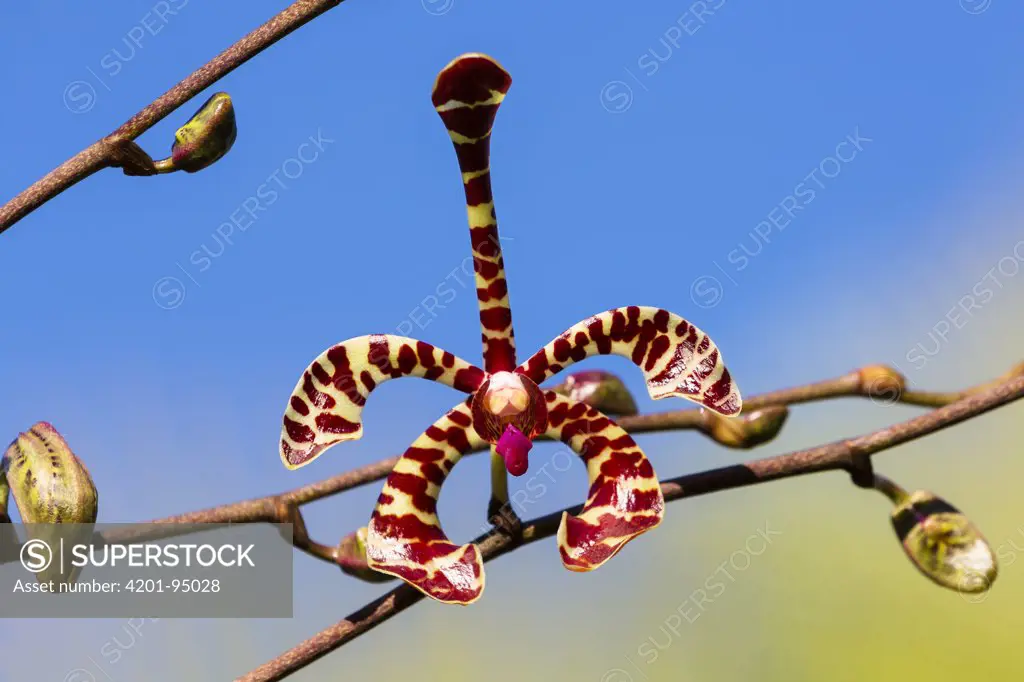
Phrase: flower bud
[49,483]
[207,136]
[749,429]
[943,543]
[352,558]
[882,383]
[601,390]
[50,486]
[9,544]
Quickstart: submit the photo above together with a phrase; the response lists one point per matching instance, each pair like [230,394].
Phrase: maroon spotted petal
[677,359]
[327,404]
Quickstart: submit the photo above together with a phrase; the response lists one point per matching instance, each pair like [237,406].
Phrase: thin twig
[836,455]
[277,508]
[110,150]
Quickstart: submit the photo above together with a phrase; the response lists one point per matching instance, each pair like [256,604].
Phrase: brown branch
[113,150]
[842,454]
[848,385]
[850,455]
[284,507]
[277,509]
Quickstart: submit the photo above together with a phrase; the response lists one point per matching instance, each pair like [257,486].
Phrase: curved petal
[404,537]
[327,404]
[677,359]
[625,496]
[466,95]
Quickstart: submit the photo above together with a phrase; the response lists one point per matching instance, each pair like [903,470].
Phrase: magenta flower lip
[514,448]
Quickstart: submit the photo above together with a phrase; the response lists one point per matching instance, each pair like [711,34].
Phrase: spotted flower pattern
[505,408]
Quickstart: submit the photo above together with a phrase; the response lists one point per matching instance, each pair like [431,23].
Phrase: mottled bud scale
[943,543]
[207,137]
[50,486]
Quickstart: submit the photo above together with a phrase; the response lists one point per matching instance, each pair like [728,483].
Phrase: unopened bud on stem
[601,390]
[49,483]
[205,139]
[882,383]
[749,429]
[943,543]
[50,486]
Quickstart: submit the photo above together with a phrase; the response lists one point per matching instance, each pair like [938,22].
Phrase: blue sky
[644,152]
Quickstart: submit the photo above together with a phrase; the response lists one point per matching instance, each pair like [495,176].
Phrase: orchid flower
[505,408]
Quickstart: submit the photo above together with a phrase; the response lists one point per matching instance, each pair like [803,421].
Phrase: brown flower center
[509,399]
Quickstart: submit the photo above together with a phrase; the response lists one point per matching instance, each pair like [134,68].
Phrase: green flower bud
[49,483]
[50,486]
[749,429]
[601,390]
[207,137]
[9,544]
[943,543]
[882,383]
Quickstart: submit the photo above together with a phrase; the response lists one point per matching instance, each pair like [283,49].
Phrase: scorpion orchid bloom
[505,407]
